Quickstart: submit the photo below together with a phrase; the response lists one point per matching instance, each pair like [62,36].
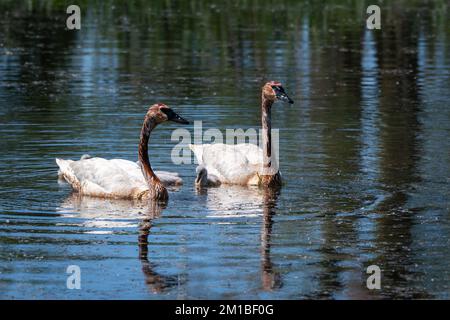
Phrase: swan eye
[168,112]
[278,89]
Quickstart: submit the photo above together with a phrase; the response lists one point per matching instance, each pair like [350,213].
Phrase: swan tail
[86,156]
[169,179]
[67,173]
[62,164]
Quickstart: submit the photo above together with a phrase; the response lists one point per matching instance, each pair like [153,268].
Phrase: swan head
[202,176]
[163,113]
[273,90]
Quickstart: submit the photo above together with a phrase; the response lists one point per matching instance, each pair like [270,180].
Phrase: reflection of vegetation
[214,29]
[232,38]
[226,37]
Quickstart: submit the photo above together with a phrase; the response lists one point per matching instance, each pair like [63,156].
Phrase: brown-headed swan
[245,163]
[123,179]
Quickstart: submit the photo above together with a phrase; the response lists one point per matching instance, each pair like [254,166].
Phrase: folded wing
[232,164]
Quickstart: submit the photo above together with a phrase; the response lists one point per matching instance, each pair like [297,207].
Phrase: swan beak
[281,94]
[176,118]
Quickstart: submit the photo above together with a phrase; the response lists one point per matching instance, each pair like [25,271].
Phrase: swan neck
[151,178]
[266,121]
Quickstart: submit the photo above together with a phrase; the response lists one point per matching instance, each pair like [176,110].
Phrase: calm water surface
[365,150]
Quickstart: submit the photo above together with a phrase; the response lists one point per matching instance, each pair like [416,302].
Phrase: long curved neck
[151,178]
[266,122]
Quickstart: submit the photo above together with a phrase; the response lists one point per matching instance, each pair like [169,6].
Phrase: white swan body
[115,178]
[230,164]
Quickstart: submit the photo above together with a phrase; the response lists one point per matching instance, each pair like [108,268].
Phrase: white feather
[231,164]
[116,178]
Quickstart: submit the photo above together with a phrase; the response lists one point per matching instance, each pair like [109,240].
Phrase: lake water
[364,151]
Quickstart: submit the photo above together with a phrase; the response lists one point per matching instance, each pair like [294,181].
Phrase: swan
[205,180]
[245,163]
[123,179]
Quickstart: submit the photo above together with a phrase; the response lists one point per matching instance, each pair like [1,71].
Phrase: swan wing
[99,177]
[234,164]
[252,152]
[169,178]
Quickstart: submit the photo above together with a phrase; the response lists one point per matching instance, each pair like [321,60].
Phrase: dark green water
[365,150]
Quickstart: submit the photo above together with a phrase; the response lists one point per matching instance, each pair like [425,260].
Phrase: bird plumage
[114,178]
[230,164]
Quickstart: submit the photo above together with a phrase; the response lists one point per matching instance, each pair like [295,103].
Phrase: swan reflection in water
[234,202]
[104,216]
[270,279]
[156,282]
